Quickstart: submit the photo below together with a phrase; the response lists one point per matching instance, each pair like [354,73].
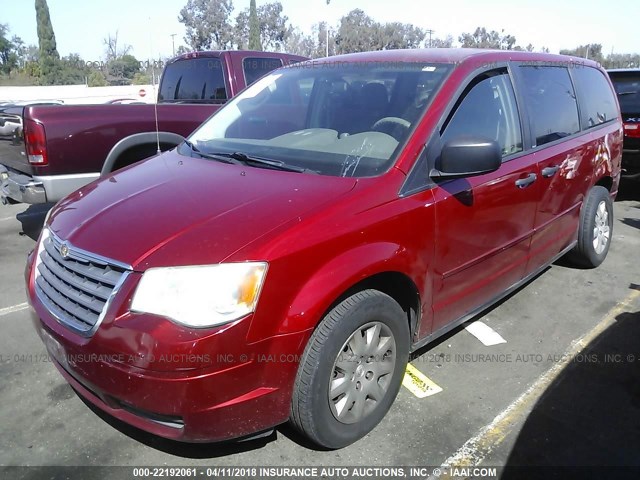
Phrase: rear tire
[595,230]
[351,370]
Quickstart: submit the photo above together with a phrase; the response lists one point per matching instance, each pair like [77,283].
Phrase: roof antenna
[153,88]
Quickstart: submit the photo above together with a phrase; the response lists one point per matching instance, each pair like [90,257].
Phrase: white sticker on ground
[14,308]
[483,332]
[418,383]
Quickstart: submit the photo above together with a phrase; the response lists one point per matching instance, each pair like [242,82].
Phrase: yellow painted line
[476,449]
[14,308]
[418,383]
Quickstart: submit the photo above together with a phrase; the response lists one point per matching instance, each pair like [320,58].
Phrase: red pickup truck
[57,149]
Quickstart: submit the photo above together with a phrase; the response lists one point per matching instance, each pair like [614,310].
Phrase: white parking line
[14,308]
[483,332]
[7,218]
[476,449]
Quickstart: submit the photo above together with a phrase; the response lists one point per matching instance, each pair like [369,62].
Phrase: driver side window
[488,110]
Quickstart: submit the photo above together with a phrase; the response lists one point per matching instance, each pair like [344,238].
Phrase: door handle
[548,172]
[525,182]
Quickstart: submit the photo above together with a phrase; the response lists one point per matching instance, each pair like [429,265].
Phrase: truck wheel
[595,229]
[351,370]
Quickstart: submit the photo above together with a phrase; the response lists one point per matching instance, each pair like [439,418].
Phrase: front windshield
[340,119]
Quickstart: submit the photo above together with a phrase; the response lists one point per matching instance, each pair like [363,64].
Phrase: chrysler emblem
[64,251]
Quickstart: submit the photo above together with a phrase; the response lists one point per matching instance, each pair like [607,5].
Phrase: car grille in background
[75,289]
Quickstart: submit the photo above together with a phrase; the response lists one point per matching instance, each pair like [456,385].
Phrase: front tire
[351,370]
[595,230]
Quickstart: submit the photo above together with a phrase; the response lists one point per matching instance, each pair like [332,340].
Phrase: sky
[147,25]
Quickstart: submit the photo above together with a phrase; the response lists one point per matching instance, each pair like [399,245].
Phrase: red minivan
[283,262]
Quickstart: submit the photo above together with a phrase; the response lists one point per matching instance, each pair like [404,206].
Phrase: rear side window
[254,68]
[198,80]
[597,102]
[551,103]
[488,111]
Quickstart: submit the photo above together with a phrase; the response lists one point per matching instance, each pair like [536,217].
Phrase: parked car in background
[8,123]
[627,84]
[10,117]
[283,262]
[63,148]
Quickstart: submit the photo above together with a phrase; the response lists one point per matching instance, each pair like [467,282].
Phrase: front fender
[336,277]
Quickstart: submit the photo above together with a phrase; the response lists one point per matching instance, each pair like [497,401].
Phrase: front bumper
[183,384]
[20,187]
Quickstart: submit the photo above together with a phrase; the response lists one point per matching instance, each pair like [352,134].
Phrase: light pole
[328,31]
[173,43]
[430,32]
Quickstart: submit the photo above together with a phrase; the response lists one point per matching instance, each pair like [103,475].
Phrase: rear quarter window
[597,101]
[551,103]
[198,80]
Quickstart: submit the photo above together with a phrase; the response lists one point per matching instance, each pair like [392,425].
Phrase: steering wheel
[394,126]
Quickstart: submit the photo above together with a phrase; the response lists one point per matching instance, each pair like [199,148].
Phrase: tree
[112,50]
[73,70]
[482,38]
[7,51]
[298,43]
[141,79]
[20,51]
[207,24]
[592,51]
[254,27]
[446,42]
[122,69]
[120,66]
[49,56]
[400,35]
[274,28]
[96,79]
[622,60]
[357,33]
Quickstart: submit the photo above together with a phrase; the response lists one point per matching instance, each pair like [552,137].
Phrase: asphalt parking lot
[563,390]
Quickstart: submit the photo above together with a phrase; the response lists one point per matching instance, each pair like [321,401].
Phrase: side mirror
[467,156]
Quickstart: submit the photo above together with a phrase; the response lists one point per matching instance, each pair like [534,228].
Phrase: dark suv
[283,262]
[627,84]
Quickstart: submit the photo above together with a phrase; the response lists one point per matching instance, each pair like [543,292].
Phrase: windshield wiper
[239,158]
[220,157]
[263,162]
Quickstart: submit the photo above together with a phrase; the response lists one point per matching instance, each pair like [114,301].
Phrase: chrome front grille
[74,285]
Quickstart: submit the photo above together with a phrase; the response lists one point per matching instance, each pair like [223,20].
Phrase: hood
[207,208]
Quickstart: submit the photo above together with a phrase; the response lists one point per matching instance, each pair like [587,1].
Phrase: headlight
[200,296]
